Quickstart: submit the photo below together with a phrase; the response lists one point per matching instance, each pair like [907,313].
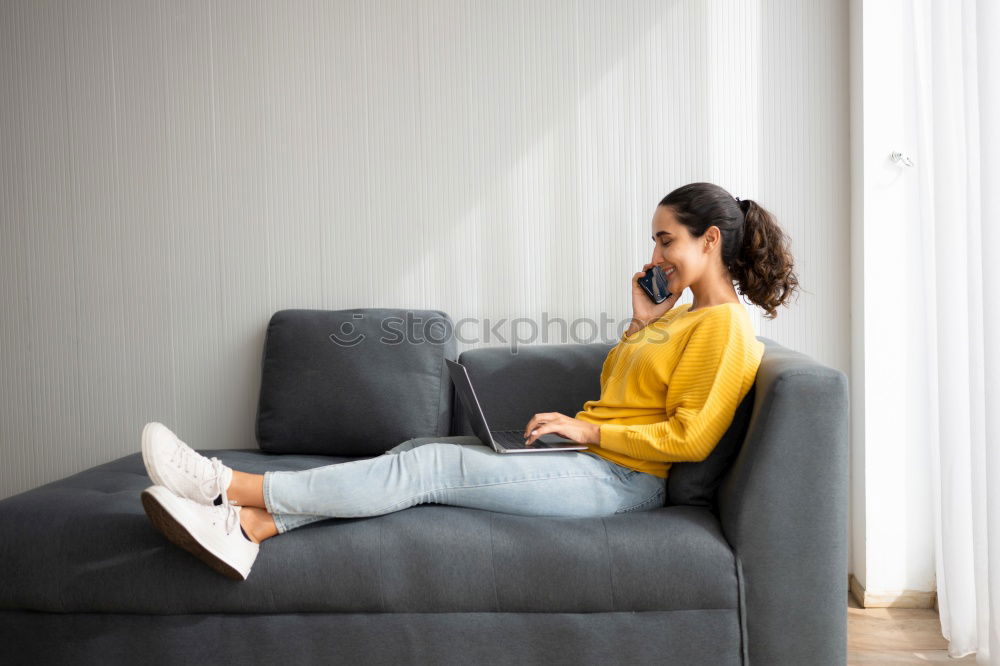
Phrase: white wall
[172,173]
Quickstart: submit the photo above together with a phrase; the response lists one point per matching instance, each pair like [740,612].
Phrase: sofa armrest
[783,506]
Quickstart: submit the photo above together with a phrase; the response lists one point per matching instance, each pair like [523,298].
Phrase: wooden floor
[896,636]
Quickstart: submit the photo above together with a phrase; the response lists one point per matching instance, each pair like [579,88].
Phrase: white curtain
[956,57]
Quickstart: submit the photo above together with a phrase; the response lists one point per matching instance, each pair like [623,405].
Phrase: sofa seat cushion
[83,544]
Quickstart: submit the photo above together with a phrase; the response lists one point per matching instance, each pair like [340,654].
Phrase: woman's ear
[712,237]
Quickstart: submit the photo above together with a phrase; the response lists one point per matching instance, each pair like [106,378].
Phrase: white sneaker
[210,533]
[172,463]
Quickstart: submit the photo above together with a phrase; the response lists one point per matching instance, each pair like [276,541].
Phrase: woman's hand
[579,431]
[644,310]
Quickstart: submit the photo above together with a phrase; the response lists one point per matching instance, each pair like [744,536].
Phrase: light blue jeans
[564,483]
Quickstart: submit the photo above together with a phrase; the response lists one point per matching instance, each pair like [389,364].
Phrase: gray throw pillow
[353,382]
[695,483]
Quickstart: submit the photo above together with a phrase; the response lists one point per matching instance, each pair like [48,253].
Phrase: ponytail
[764,267]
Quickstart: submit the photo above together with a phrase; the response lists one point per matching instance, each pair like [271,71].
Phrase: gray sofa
[746,562]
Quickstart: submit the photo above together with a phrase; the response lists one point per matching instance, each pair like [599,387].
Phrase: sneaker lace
[209,472]
[232,517]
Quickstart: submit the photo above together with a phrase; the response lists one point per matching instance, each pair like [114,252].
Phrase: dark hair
[755,250]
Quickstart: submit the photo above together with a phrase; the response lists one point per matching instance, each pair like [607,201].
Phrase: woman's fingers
[643,271]
[538,432]
[539,419]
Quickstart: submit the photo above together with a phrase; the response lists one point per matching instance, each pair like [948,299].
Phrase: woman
[669,390]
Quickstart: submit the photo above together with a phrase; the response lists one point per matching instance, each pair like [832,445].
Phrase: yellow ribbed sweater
[670,390]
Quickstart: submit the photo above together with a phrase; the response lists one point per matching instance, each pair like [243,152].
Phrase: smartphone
[654,282]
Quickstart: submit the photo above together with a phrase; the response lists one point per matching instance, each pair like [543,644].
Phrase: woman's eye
[665,244]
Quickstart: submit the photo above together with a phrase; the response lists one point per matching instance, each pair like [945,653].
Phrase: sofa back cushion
[353,382]
[559,378]
[513,387]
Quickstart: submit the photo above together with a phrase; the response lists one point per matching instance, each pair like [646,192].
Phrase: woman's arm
[704,393]
[612,359]
[626,338]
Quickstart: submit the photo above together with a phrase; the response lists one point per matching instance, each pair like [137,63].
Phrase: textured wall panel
[171,173]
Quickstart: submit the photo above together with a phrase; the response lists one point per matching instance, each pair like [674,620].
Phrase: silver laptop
[502,441]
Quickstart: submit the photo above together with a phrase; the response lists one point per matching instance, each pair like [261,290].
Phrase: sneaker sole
[178,535]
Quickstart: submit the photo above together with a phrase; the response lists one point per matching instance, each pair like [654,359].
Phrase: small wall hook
[900,158]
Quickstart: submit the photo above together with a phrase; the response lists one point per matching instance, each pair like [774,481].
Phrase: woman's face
[681,256]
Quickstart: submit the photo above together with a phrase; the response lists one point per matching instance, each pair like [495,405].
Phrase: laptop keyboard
[514,439]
